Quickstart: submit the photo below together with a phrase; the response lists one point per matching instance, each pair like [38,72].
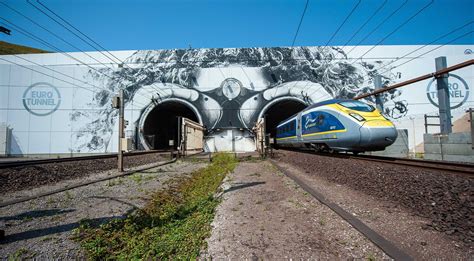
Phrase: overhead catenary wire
[378,26]
[32,36]
[49,31]
[56,78]
[364,24]
[435,40]
[299,24]
[78,36]
[418,79]
[396,29]
[39,2]
[73,78]
[342,24]
[65,27]
[434,49]
[49,45]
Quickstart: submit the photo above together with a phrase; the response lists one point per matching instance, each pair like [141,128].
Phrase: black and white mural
[231,88]
[226,89]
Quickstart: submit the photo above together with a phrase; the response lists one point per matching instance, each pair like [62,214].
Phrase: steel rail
[418,79]
[82,184]
[384,244]
[429,164]
[461,168]
[20,163]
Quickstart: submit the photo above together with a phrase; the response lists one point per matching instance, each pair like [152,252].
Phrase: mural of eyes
[211,110]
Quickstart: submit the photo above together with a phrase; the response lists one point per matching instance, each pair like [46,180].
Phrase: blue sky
[153,24]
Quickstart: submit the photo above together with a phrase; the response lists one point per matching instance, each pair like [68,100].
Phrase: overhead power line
[342,24]
[58,72]
[364,24]
[435,40]
[39,2]
[49,45]
[396,29]
[49,31]
[434,49]
[299,25]
[378,26]
[65,27]
[80,32]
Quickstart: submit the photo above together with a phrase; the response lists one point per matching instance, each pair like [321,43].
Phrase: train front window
[357,106]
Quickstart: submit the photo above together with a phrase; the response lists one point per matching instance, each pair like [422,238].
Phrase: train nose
[377,138]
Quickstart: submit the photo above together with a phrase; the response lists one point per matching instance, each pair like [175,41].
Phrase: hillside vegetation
[9,48]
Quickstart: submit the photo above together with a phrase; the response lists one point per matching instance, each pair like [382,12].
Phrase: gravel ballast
[30,176]
[444,198]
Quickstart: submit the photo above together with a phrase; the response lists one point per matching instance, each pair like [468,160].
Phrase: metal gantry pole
[471,120]
[121,133]
[444,105]
[378,97]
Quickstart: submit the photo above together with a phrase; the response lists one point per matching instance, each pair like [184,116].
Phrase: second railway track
[20,163]
[461,168]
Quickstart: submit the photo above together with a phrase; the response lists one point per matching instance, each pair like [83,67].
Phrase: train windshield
[357,106]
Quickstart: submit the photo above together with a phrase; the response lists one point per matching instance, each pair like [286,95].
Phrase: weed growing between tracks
[174,225]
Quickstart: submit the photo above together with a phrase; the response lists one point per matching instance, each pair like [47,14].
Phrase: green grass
[9,48]
[173,225]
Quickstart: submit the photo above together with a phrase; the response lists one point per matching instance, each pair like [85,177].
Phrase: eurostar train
[337,125]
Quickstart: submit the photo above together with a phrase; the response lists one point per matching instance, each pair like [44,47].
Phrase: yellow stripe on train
[324,132]
[287,138]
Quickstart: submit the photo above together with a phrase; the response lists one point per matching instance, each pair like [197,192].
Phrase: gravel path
[20,178]
[265,215]
[446,199]
[397,224]
[42,228]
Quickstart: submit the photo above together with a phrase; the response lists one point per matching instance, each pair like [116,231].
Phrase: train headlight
[357,116]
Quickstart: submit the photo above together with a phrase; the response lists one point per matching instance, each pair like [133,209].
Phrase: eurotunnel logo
[458,91]
[41,99]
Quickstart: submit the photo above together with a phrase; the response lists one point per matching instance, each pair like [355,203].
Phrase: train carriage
[337,125]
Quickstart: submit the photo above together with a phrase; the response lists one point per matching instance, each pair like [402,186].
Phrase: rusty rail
[418,79]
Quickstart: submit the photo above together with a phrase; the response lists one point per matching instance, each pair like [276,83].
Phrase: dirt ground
[265,215]
[400,225]
[42,228]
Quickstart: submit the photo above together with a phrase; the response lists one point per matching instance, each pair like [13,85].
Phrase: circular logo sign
[457,88]
[41,99]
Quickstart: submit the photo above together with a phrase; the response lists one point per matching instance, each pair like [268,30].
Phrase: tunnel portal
[161,124]
[280,111]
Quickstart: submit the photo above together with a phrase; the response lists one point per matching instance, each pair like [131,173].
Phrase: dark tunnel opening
[161,124]
[280,111]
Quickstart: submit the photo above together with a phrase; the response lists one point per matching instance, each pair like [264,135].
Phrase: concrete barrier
[450,147]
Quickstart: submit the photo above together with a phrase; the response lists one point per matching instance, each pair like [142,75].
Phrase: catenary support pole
[121,131]
[378,97]
[444,105]
[471,120]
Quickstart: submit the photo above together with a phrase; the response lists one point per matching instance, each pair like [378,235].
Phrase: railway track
[390,248]
[461,168]
[20,163]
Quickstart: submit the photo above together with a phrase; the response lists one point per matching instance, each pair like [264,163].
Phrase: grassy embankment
[174,225]
[9,48]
